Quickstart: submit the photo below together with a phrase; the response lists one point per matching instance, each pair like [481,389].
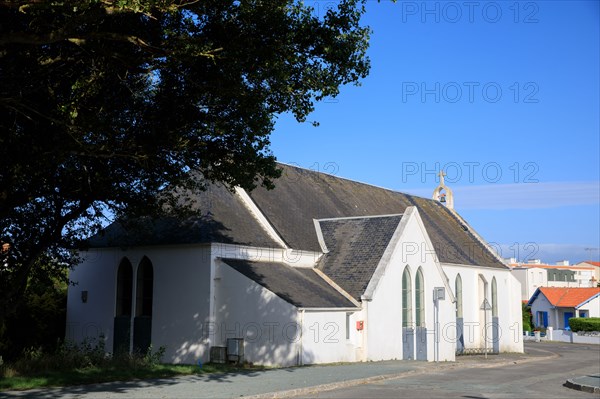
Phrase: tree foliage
[104,103]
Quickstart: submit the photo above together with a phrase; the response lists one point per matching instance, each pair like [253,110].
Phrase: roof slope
[568,297]
[302,195]
[355,247]
[302,287]
[221,217]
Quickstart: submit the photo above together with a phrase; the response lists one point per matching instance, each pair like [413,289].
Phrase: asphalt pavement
[296,381]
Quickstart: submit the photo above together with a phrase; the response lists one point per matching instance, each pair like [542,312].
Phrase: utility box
[235,350]
[218,354]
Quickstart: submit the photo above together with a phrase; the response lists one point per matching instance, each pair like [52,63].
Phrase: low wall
[572,337]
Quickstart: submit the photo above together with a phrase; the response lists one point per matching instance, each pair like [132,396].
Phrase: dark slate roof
[355,248]
[220,217]
[302,195]
[302,287]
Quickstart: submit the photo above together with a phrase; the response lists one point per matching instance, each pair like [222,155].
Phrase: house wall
[244,309]
[384,339]
[509,306]
[180,306]
[592,307]
[541,304]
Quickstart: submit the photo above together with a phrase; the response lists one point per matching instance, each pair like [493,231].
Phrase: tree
[105,103]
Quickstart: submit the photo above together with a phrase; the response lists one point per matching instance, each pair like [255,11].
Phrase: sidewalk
[274,383]
[587,383]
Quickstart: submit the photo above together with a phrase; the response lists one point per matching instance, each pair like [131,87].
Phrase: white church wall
[181,302]
[94,319]
[181,286]
[328,336]
[509,306]
[244,309]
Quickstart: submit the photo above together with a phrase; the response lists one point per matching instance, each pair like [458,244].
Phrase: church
[321,269]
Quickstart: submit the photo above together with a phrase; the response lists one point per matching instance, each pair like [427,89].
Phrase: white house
[554,306]
[320,269]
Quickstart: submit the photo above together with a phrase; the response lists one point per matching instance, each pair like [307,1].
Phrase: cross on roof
[441,175]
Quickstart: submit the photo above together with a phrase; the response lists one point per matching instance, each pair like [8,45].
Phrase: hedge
[584,323]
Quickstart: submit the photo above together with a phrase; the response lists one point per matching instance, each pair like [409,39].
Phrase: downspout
[365,331]
[300,361]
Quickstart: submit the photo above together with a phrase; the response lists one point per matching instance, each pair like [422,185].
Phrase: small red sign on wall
[360,325]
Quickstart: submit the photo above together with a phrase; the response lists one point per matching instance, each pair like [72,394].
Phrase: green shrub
[90,354]
[584,323]
[526,312]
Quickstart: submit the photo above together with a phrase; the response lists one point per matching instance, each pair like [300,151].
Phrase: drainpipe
[365,330]
[301,348]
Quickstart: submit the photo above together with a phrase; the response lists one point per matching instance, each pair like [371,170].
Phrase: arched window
[406,298]
[420,299]
[494,298]
[459,297]
[124,288]
[144,288]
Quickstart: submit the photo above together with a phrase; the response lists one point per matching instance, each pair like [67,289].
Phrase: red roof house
[554,306]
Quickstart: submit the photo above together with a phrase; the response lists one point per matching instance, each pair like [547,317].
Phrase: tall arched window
[406,299]
[459,298]
[144,288]
[494,298]
[124,288]
[420,299]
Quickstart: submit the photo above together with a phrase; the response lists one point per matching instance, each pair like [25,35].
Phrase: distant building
[554,306]
[535,274]
[595,266]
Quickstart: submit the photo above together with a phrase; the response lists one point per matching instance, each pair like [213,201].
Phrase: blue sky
[503,95]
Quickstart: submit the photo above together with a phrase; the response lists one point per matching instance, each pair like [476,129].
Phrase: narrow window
[124,288]
[145,282]
[420,299]
[406,299]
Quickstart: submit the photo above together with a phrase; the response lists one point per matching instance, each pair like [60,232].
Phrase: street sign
[486,305]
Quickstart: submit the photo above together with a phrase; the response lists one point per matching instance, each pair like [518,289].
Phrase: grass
[13,380]
[88,363]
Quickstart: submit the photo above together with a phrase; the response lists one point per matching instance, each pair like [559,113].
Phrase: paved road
[542,379]
[539,373]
